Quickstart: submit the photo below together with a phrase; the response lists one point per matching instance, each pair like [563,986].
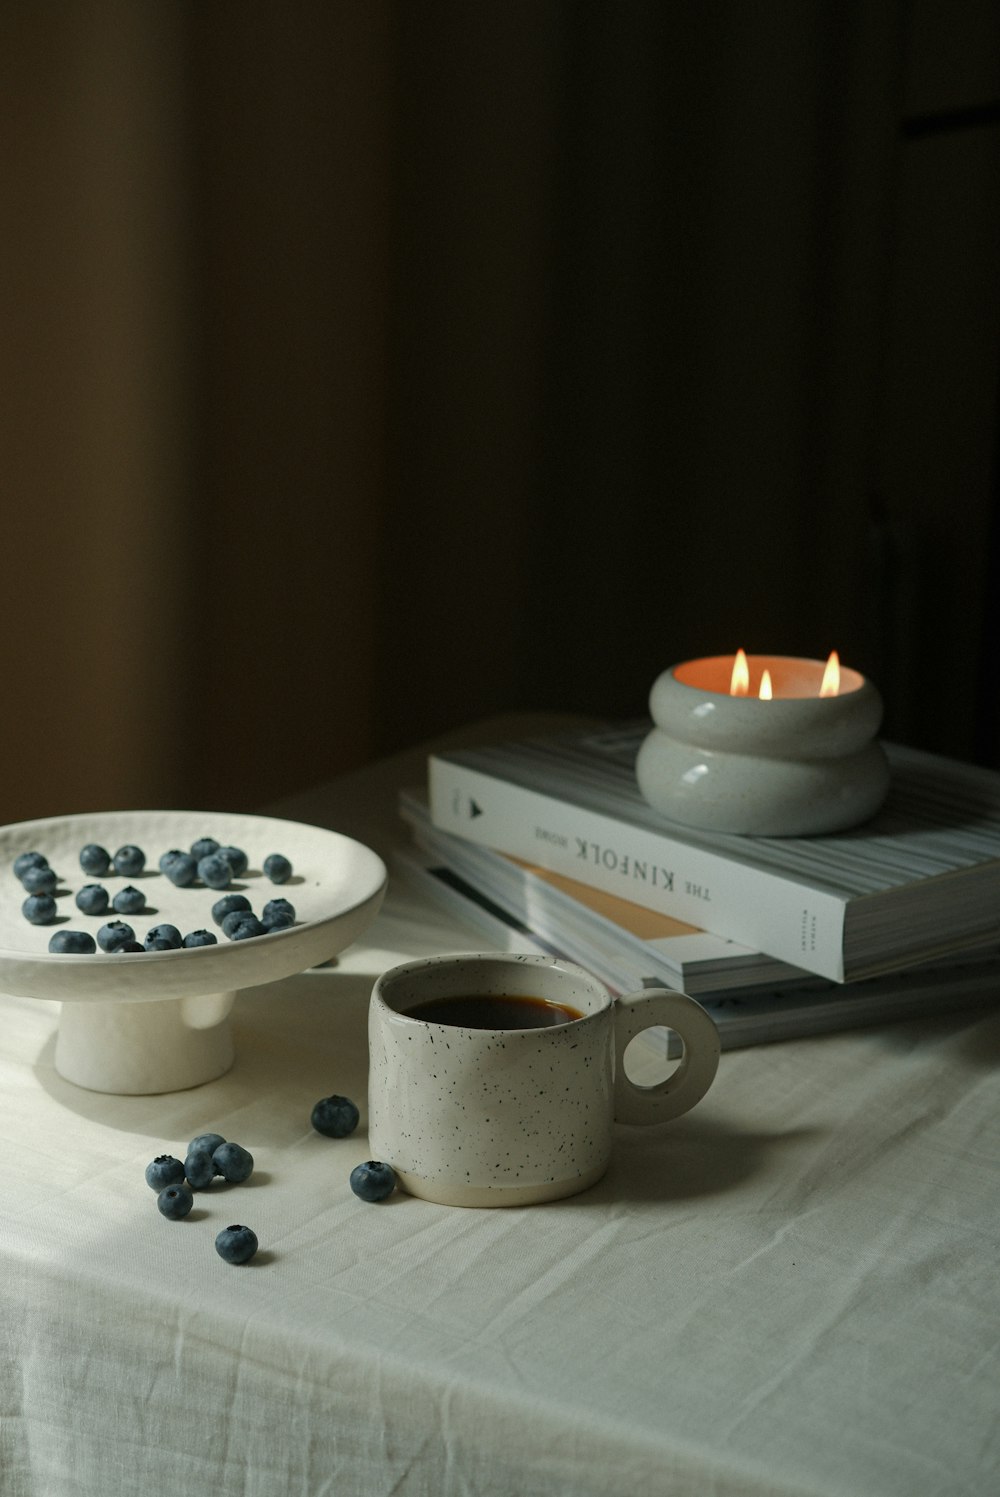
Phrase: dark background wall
[371,367]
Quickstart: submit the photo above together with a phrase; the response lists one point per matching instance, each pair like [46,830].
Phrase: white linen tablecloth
[792,1290]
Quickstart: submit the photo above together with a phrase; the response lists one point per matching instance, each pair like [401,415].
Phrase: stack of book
[547,845]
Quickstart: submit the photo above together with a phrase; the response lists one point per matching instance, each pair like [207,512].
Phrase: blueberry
[129,901]
[168,857]
[277,922]
[166,937]
[207,1141]
[236,1244]
[278,868]
[114,935]
[38,879]
[227,904]
[26,860]
[199,1168]
[203,848]
[335,1117]
[278,914]
[237,860]
[175,1201]
[163,1171]
[215,871]
[39,909]
[75,942]
[242,926]
[182,870]
[95,860]
[200,938]
[92,899]
[233,1162]
[373,1180]
[129,860]
[279,906]
[233,919]
[131,946]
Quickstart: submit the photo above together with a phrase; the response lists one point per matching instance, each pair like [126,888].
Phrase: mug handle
[692,1078]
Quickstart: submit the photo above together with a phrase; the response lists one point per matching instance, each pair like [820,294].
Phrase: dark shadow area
[686,1160]
[972,1037]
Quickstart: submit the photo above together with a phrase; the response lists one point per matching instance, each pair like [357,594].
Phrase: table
[792,1290]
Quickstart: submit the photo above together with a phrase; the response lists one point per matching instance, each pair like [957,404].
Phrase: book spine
[802,926]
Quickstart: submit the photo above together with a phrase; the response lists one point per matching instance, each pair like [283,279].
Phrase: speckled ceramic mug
[510,1117]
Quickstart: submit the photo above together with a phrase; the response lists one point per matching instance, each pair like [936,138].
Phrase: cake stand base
[135,1049]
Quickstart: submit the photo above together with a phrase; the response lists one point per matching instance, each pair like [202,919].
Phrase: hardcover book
[918,882]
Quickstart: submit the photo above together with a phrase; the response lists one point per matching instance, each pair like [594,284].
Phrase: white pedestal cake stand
[148,1022]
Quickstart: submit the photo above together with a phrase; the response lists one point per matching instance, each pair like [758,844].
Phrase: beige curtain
[372,366]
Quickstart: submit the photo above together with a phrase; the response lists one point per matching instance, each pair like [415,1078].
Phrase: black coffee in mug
[493,1011]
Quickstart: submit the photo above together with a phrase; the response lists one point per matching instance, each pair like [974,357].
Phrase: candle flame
[830,685]
[765,687]
[739,684]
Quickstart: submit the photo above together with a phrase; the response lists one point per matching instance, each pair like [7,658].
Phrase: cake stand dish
[142,1022]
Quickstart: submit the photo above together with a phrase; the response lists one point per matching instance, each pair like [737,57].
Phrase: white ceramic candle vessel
[797,764]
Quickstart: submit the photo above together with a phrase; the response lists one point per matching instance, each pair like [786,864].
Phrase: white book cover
[920,880]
